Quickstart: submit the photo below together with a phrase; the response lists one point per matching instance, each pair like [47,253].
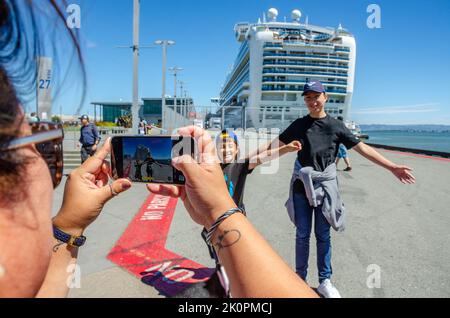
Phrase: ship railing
[308,43]
[270,115]
[342,49]
[297,89]
[267,54]
[302,81]
[304,64]
[299,82]
[308,73]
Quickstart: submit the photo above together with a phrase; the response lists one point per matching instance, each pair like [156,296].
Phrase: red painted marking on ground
[416,155]
[141,250]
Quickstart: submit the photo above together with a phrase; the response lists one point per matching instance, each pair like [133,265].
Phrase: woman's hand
[87,191]
[205,194]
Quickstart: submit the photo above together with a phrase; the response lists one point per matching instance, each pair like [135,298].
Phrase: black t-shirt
[320,139]
[235,176]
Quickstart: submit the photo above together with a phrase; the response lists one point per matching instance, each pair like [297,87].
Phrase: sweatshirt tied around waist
[322,192]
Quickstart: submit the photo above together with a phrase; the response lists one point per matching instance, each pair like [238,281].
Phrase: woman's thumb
[186,164]
[115,188]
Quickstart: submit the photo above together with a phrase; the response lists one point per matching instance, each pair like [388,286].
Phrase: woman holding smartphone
[36,250]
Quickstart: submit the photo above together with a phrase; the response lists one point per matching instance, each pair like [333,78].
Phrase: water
[416,140]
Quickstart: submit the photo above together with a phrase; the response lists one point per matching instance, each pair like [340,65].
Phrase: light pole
[181,95]
[135,106]
[136,48]
[164,44]
[175,71]
[186,104]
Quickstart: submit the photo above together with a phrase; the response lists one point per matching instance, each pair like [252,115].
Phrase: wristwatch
[71,240]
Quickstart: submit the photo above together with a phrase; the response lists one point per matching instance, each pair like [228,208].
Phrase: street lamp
[136,47]
[164,44]
[175,71]
[182,85]
[186,104]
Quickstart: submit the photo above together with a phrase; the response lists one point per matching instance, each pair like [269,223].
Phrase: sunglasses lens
[51,151]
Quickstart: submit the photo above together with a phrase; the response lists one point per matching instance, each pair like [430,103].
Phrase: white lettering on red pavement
[141,250]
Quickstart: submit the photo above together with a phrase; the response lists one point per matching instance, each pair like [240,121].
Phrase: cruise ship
[274,62]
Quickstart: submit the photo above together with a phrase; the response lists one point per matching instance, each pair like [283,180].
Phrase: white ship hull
[275,61]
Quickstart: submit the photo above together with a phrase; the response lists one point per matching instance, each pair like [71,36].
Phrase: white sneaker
[327,290]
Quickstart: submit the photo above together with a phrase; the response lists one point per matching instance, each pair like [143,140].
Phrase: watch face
[80,241]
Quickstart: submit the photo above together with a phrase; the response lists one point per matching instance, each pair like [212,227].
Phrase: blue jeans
[86,152]
[303,220]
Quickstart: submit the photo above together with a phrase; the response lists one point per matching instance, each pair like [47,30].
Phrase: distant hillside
[416,128]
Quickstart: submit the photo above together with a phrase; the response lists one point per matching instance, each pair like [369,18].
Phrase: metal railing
[265,71]
[268,80]
[306,55]
[270,116]
[268,62]
[342,49]
[296,89]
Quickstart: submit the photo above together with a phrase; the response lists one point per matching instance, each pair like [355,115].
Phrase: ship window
[291,97]
[273,97]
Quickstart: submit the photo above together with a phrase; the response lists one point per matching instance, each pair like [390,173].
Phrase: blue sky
[161,149]
[402,68]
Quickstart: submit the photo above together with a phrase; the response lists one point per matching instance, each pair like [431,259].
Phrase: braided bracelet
[210,232]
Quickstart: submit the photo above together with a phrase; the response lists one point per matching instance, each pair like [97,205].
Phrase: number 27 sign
[44,86]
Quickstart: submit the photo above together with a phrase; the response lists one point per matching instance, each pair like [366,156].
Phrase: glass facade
[112,112]
[150,110]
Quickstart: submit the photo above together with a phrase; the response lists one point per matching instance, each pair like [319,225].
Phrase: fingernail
[126,186]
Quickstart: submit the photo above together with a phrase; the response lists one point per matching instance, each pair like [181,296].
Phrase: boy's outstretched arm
[403,173]
[273,153]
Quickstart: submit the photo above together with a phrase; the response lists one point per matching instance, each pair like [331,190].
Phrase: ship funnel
[296,15]
[272,14]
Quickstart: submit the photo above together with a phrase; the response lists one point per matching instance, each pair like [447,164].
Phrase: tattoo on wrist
[236,237]
[57,246]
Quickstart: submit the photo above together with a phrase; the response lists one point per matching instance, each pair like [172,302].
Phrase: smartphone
[148,159]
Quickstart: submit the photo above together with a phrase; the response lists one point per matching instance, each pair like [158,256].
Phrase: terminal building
[150,109]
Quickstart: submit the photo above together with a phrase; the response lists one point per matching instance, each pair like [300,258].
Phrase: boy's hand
[403,173]
[294,146]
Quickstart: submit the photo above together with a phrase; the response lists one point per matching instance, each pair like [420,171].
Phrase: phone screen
[149,159]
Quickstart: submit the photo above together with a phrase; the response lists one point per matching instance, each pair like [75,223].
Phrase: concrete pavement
[400,230]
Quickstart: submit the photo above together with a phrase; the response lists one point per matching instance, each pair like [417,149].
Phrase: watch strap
[71,240]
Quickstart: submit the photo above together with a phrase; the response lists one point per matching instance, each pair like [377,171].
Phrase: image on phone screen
[149,159]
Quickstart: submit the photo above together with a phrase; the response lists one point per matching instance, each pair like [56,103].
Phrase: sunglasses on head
[48,140]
